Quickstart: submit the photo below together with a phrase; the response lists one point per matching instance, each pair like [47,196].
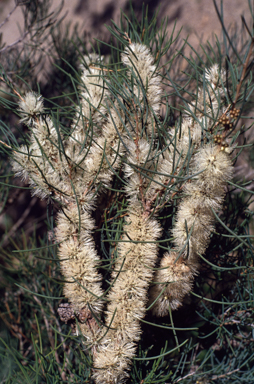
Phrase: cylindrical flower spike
[193,227]
[147,87]
[94,93]
[127,298]
[41,164]
[106,153]
[79,260]
[211,169]
[171,283]
[203,112]
[138,249]
[93,97]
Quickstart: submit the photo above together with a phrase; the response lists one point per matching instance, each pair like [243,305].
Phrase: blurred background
[197,18]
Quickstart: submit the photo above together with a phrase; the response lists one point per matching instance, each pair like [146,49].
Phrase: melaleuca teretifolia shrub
[156,191]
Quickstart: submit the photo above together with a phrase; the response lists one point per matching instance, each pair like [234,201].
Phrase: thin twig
[182,378]
[15,42]
[245,66]
[8,16]
[225,374]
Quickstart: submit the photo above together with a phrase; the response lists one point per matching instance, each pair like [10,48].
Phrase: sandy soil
[197,17]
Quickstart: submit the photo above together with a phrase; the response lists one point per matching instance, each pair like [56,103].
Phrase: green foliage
[207,340]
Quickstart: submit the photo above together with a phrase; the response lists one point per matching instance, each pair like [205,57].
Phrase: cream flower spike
[194,224]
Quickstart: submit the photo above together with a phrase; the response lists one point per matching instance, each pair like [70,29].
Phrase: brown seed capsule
[234,113]
[66,312]
[217,139]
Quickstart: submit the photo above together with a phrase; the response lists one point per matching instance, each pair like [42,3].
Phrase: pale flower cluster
[30,106]
[109,134]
